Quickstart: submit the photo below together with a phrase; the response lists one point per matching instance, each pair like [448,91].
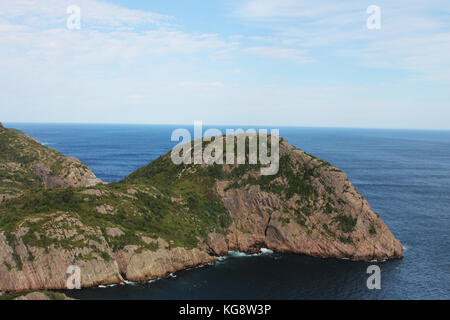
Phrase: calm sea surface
[405,176]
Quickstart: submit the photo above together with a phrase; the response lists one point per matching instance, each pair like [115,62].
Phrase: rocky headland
[163,218]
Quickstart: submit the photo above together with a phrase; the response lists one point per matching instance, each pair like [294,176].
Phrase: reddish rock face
[262,219]
[336,221]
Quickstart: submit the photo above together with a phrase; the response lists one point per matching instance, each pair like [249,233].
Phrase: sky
[228,62]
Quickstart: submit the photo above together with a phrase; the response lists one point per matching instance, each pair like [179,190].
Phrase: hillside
[163,218]
[25,164]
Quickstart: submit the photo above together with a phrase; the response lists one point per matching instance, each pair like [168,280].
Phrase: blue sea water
[404,174]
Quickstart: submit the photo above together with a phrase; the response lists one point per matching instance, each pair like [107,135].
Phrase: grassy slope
[176,203]
[50,294]
[18,153]
[151,203]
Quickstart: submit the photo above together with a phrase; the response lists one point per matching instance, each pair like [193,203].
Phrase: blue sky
[247,62]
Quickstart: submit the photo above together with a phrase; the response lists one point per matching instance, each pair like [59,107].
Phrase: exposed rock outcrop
[28,264]
[164,218]
[33,296]
[72,174]
[26,164]
[338,223]
[98,264]
[149,265]
[36,295]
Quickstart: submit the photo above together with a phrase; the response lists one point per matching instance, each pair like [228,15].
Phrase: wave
[371,261]
[107,286]
[378,261]
[239,254]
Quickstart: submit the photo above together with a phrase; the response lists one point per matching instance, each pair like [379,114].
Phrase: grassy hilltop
[163,217]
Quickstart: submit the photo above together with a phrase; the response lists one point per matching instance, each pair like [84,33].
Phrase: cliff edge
[25,164]
[163,217]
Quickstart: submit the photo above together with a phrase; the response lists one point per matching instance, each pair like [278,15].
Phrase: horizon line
[224,125]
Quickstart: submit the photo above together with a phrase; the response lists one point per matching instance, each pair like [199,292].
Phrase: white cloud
[135,96]
[135,66]
[414,34]
[201,85]
[93,12]
[297,55]
[89,47]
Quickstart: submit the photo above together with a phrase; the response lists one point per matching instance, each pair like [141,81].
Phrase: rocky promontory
[165,217]
[26,164]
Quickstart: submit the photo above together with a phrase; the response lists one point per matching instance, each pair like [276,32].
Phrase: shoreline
[232,254]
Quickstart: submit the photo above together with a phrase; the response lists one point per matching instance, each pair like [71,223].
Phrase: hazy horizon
[208,125]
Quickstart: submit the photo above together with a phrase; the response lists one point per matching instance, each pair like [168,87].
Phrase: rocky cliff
[26,164]
[310,207]
[163,218]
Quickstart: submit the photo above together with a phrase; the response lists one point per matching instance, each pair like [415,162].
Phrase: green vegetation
[298,180]
[199,212]
[372,230]
[20,156]
[346,223]
[176,203]
[11,147]
[12,295]
[284,220]
[52,295]
[346,240]
[12,241]
[7,265]
[299,217]
[57,166]
[150,212]
[331,233]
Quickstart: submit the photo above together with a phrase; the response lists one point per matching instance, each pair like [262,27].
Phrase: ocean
[404,174]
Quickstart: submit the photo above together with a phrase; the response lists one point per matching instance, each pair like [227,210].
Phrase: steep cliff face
[26,164]
[164,218]
[323,215]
